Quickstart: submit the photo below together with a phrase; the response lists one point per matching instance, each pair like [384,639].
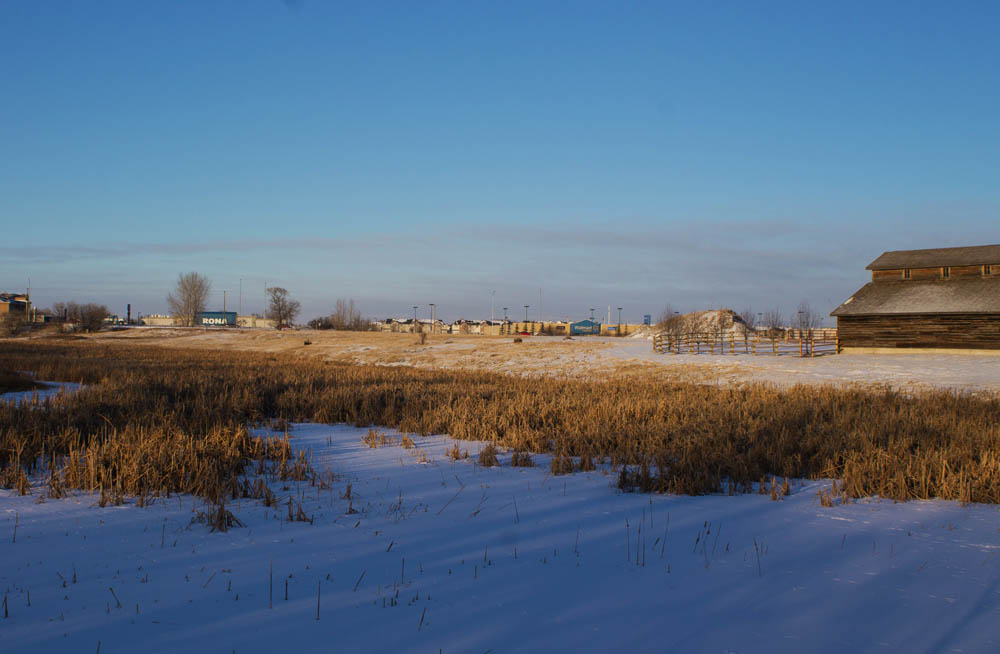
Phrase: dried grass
[156,420]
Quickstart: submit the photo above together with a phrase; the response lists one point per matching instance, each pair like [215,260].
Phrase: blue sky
[703,154]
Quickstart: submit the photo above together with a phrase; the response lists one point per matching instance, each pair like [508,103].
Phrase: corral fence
[786,342]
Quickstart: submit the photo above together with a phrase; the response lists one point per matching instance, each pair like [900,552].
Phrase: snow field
[448,556]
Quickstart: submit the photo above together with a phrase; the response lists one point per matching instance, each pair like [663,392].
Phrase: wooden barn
[945,298]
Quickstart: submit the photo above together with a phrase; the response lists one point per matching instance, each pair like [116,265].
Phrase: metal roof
[932,296]
[967,256]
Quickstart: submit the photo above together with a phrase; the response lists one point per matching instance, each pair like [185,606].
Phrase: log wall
[964,331]
[956,272]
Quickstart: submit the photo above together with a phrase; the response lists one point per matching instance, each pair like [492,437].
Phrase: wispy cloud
[47,254]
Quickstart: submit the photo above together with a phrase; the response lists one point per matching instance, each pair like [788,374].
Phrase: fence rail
[801,344]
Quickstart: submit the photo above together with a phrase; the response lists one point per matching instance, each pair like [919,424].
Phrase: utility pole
[526,313]
[241,301]
[433,316]
[505,314]
[619,320]
[223,306]
[492,295]
[539,305]
[414,318]
[591,314]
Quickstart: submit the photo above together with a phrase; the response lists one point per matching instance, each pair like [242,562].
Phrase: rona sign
[216,319]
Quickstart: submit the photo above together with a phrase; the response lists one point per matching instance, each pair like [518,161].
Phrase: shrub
[521,460]
[12,323]
[488,456]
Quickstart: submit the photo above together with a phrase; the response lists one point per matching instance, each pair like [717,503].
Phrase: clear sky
[703,154]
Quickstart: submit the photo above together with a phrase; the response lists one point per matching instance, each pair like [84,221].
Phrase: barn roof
[931,296]
[937,257]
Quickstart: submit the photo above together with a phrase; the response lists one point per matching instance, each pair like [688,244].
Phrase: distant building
[943,298]
[157,320]
[13,303]
[585,327]
[254,322]
[216,319]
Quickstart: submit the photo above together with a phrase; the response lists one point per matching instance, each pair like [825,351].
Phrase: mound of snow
[714,321]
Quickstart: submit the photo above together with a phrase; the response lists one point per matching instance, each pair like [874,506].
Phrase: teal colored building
[585,327]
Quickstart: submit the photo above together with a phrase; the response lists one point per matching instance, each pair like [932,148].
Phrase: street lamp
[591,314]
[414,315]
[505,314]
[526,313]
[619,317]
[433,315]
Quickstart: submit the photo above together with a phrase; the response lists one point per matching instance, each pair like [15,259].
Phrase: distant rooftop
[976,255]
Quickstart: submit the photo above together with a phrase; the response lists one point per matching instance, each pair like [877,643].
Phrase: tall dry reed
[670,437]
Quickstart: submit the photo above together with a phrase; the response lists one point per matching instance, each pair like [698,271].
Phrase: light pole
[591,314]
[492,295]
[505,314]
[433,315]
[619,321]
[526,313]
[414,317]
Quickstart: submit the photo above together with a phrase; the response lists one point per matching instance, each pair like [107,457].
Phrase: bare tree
[808,318]
[91,316]
[189,298]
[348,317]
[748,325]
[281,308]
[345,317]
[666,316]
[670,324]
[773,321]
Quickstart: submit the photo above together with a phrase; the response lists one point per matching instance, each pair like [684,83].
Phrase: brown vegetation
[11,382]
[154,420]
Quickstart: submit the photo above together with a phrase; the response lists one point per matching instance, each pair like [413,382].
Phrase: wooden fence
[788,343]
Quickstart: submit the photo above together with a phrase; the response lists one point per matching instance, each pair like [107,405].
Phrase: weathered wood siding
[956,272]
[965,331]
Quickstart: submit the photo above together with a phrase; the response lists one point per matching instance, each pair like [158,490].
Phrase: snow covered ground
[51,390]
[452,557]
[953,371]
[594,358]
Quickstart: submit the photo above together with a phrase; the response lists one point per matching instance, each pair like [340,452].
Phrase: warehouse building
[13,303]
[943,298]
